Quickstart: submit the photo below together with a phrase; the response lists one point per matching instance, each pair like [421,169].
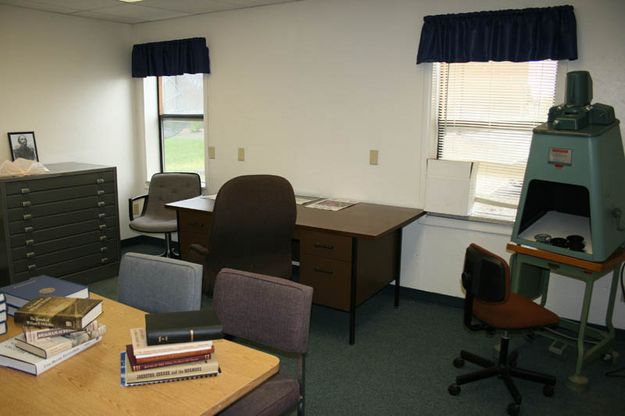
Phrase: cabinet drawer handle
[326,246]
[28,229]
[103,249]
[27,216]
[30,254]
[102,226]
[101,203]
[104,259]
[25,190]
[318,270]
[101,215]
[100,192]
[102,237]
[32,267]
[29,242]
[99,180]
[25,204]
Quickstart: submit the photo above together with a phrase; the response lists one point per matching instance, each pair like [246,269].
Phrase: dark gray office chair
[272,312]
[486,280]
[159,284]
[252,227]
[155,217]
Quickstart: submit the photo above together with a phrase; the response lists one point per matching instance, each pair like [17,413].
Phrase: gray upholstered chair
[252,227]
[155,217]
[159,284]
[272,312]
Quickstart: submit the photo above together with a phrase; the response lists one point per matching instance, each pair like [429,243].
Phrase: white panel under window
[486,113]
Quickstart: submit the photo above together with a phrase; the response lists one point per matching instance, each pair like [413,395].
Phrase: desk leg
[398,266]
[352,295]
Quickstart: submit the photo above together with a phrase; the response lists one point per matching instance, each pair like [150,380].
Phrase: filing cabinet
[64,224]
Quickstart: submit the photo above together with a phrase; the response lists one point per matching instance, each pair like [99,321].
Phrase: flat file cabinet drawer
[329,278]
[66,218]
[53,208]
[321,244]
[68,267]
[60,194]
[26,186]
[30,248]
[41,260]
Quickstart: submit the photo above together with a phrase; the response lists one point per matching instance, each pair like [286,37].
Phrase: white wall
[309,87]
[68,80]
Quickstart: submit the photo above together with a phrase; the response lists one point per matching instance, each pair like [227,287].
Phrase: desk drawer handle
[28,229]
[25,190]
[99,180]
[318,270]
[29,242]
[26,204]
[101,203]
[32,267]
[30,254]
[27,216]
[553,266]
[196,224]
[101,215]
[102,237]
[326,246]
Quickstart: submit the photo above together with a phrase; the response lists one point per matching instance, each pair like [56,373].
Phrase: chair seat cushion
[517,313]
[149,224]
[276,396]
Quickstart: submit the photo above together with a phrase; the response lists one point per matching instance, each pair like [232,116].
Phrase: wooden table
[530,269]
[89,383]
[347,256]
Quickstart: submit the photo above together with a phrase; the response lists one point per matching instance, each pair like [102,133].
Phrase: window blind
[486,112]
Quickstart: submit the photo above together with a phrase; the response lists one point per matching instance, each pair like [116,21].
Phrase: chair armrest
[131,202]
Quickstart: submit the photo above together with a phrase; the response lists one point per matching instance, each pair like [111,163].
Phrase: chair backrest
[485,278]
[159,284]
[169,187]
[271,311]
[252,227]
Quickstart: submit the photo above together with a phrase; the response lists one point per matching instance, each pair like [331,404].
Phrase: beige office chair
[155,217]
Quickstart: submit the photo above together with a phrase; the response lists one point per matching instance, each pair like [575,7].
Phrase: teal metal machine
[573,196]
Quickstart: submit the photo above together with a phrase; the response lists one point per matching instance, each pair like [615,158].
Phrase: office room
[314,91]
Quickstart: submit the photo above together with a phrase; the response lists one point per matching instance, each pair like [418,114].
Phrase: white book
[3,316]
[13,357]
[3,328]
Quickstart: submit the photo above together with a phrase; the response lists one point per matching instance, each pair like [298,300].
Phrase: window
[181,120]
[485,112]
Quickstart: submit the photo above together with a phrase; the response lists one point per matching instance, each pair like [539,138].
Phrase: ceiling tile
[61,6]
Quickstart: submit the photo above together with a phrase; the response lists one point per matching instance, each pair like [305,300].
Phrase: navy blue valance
[173,57]
[506,35]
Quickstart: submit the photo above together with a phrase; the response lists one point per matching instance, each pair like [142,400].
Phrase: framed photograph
[23,145]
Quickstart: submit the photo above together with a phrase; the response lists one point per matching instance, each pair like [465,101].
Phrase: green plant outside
[184,154]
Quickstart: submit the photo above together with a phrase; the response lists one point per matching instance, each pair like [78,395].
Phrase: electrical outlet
[136,208]
[241,154]
[373,157]
[211,152]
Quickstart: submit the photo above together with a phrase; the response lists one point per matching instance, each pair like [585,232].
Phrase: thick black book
[173,327]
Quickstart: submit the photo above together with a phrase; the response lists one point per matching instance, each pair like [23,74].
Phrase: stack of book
[3,315]
[172,347]
[18,294]
[54,329]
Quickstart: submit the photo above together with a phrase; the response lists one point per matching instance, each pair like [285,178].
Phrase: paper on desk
[22,167]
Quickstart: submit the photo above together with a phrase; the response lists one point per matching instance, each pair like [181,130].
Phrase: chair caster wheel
[514,409]
[458,362]
[548,390]
[453,389]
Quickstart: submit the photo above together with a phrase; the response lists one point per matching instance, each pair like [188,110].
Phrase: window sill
[468,223]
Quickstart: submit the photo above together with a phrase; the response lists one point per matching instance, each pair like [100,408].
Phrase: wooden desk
[89,383]
[530,269]
[347,256]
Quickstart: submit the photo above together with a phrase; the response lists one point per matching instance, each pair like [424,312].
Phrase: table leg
[577,381]
[398,266]
[352,295]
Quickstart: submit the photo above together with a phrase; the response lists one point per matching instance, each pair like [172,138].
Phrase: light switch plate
[373,157]
[241,154]
[211,152]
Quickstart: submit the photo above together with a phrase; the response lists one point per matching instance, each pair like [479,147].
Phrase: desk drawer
[194,222]
[329,278]
[331,246]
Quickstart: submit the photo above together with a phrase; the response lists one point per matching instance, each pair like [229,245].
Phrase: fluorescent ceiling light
[130,1]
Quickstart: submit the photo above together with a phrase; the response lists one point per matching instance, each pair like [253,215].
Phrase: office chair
[158,284]
[486,280]
[274,313]
[252,227]
[155,217]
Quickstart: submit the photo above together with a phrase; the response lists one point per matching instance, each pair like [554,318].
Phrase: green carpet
[401,364]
